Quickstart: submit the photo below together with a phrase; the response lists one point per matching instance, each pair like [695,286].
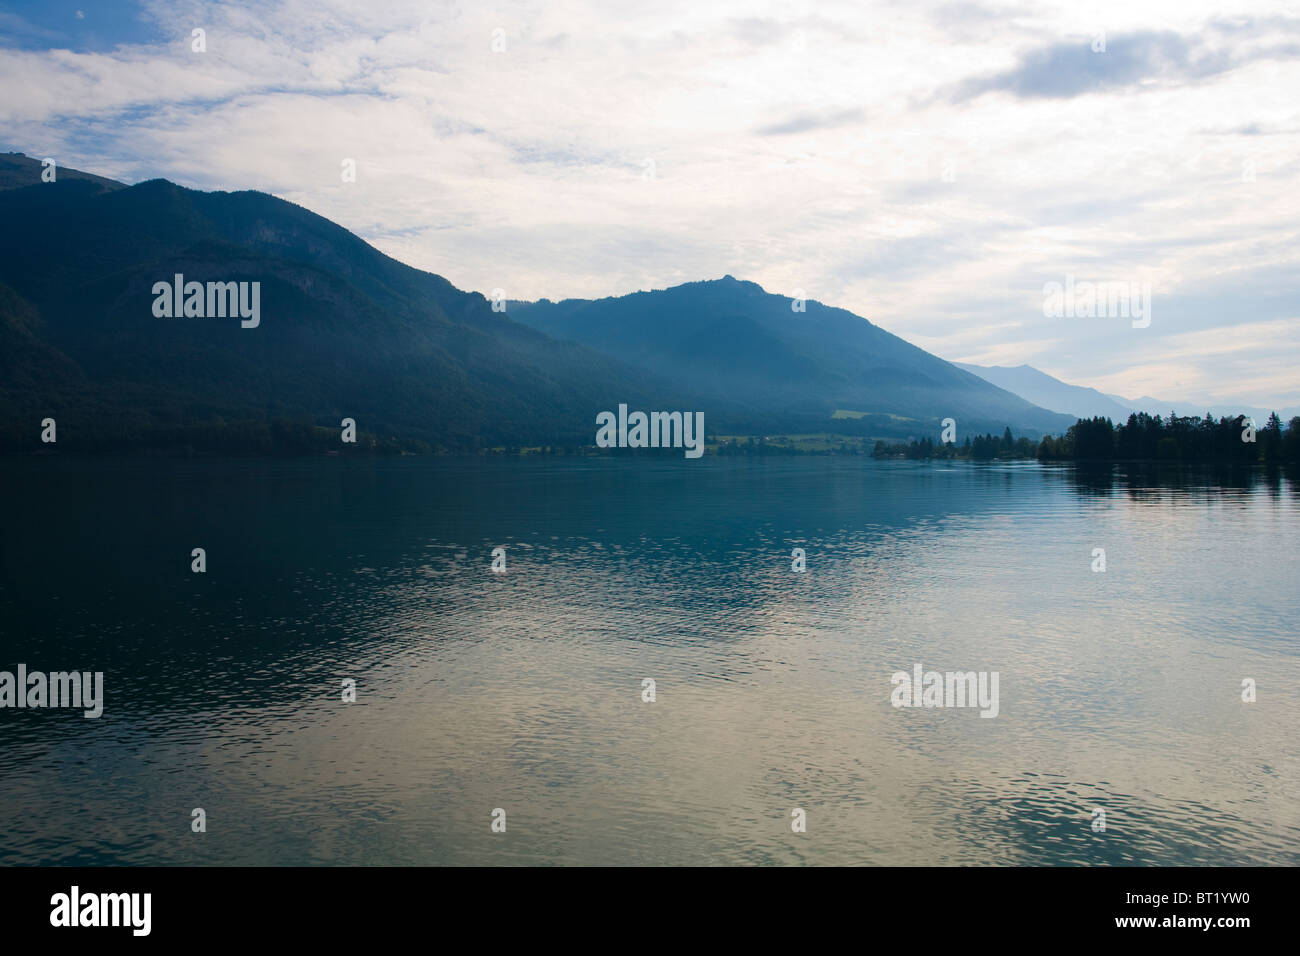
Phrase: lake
[1119,690]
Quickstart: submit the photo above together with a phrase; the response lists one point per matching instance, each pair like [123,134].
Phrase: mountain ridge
[352,332]
[810,360]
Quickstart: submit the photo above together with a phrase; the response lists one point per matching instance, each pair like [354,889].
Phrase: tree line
[1144,437]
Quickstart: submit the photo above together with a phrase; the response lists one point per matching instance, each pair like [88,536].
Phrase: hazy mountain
[1047,392]
[1083,402]
[728,338]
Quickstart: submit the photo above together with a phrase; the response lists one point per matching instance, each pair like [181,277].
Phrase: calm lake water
[1119,690]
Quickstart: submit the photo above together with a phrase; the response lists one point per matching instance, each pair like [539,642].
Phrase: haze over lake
[523,691]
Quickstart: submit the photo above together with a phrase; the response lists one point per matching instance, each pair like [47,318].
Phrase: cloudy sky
[928,166]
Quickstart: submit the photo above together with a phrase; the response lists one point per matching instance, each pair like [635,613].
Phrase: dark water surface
[1119,690]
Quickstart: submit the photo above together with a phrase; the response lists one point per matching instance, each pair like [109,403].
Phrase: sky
[931,167]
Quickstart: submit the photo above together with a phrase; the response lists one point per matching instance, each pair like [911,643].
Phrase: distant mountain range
[1047,392]
[1081,402]
[346,331]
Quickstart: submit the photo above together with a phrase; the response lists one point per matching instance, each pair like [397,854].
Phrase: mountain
[17,170]
[1047,392]
[814,369]
[1081,402]
[346,331]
